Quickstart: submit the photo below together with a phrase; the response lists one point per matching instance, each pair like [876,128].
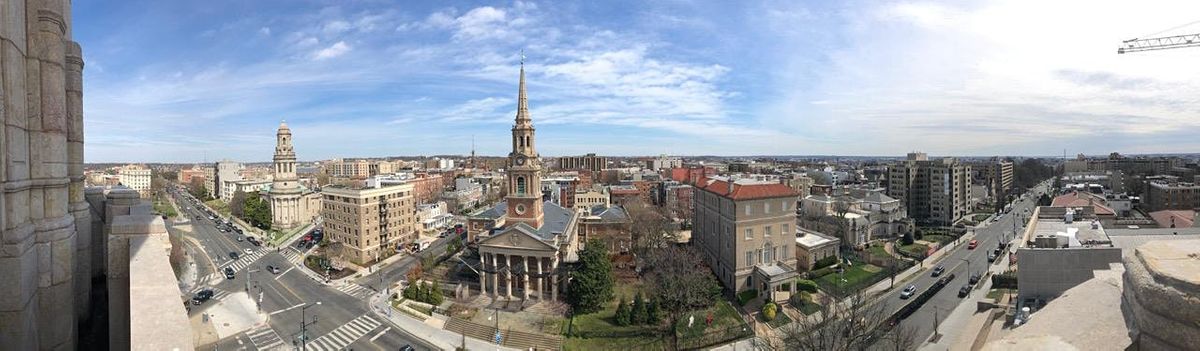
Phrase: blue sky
[182,81]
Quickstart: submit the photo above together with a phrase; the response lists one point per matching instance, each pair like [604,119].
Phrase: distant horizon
[1069,156]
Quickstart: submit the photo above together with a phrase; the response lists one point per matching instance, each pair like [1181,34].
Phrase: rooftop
[1081,199]
[812,239]
[1058,326]
[1080,232]
[747,189]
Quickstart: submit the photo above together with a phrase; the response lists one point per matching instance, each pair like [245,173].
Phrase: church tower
[524,167]
[285,189]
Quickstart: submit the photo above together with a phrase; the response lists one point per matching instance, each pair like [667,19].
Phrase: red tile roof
[1078,199]
[747,191]
[1182,218]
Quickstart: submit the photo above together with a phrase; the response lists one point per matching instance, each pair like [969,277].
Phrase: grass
[165,208]
[643,337]
[878,251]
[995,294]
[915,249]
[980,217]
[857,276]
[943,239]
[218,205]
[809,307]
[781,319]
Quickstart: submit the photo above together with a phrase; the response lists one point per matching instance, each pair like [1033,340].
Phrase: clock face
[521,161]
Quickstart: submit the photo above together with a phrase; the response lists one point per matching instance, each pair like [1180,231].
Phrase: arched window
[521,185]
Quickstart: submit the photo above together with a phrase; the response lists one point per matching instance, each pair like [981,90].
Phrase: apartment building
[745,229]
[995,175]
[589,162]
[370,223]
[933,191]
[136,177]
[1171,195]
[221,171]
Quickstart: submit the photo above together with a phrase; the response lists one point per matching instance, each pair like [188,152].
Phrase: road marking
[284,272]
[285,310]
[385,330]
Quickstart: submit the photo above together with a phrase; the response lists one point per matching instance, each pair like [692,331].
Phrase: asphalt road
[342,319]
[956,262]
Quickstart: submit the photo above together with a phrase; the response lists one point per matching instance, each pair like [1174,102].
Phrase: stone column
[97,204]
[18,258]
[554,279]
[525,261]
[482,275]
[78,205]
[54,226]
[495,276]
[508,275]
[541,281]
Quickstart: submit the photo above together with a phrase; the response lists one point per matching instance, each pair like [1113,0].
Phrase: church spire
[522,101]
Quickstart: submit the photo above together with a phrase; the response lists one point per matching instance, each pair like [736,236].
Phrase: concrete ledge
[157,319]
[1160,292]
[138,224]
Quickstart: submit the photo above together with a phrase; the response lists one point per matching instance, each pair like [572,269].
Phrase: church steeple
[524,170]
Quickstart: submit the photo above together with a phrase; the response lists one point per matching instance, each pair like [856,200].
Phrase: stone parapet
[1162,292]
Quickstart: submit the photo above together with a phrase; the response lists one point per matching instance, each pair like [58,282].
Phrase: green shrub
[825,262]
[746,295]
[637,313]
[768,310]
[652,315]
[822,272]
[1006,280]
[621,318]
[806,285]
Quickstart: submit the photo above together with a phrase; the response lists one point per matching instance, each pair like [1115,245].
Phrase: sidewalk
[432,336]
[964,324]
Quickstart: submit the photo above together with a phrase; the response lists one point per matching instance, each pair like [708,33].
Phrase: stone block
[62,261]
[56,317]
[12,23]
[17,240]
[141,209]
[46,44]
[19,274]
[33,94]
[54,99]
[18,329]
[138,224]
[16,151]
[37,203]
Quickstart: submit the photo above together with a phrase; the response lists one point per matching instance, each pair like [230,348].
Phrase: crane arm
[1178,41]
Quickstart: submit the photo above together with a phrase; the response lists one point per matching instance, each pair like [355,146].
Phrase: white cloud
[265,31]
[335,50]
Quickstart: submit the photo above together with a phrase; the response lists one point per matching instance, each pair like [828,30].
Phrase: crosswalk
[245,260]
[217,293]
[344,335]
[292,256]
[356,290]
[265,338]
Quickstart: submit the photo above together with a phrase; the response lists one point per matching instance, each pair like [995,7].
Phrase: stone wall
[1047,273]
[1162,294]
[42,206]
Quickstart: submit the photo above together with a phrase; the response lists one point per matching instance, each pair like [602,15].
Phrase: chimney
[730,183]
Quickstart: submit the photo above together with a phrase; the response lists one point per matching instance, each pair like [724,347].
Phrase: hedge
[822,272]
[1006,280]
[746,295]
[825,262]
[806,285]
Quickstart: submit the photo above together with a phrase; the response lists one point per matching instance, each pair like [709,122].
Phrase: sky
[189,81]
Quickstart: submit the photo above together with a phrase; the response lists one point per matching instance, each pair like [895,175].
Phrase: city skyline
[179,82]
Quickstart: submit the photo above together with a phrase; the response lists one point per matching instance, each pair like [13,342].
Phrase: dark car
[233,255]
[991,257]
[964,290]
[202,296]
[938,270]
[229,273]
[407,348]
[974,279]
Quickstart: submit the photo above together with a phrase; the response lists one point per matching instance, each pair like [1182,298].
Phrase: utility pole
[304,326]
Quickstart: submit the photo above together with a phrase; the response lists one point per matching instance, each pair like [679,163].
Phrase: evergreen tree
[637,314]
[592,285]
[652,315]
[622,316]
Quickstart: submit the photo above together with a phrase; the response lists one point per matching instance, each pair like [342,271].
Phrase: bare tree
[679,283]
[650,227]
[854,323]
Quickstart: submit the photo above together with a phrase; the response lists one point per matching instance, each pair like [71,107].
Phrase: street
[955,262]
[338,316]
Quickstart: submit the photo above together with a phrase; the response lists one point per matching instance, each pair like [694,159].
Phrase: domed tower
[285,190]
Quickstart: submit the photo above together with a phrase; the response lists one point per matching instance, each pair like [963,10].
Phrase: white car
[247,251]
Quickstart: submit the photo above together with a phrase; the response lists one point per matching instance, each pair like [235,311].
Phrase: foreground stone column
[78,205]
[18,257]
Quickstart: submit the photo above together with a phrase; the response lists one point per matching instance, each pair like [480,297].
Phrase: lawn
[996,293]
[878,251]
[809,307]
[915,249]
[943,239]
[218,205]
[857,276]
[602,334]
[980,217]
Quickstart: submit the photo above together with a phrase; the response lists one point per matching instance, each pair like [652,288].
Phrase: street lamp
[304,325]
[496,314]
[968,273]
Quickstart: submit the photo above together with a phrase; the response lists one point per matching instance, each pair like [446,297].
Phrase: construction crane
[1163,43]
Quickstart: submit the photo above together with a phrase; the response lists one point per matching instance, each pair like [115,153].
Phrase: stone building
[285,194]
[589,162]
[1171,195]
[218,174]
[745,228]
[812,246]
[523,241]
[370,223]
[136,177]
[934,191]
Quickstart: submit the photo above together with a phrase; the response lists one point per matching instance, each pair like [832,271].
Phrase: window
[767,232]
[749,258]
[766,207]
[749,233]
[784,205]
[747,210]
[783,229]
[521,185]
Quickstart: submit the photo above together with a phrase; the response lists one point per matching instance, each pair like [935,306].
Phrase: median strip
[385,330]
[286,309]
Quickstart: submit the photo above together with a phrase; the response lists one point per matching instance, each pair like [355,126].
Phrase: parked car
[974,279]
[964,290]
[239,239]
[908,292]
[971,245]
[991,257]
[407,348]
[229,273]
[202,296]
[938,270]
